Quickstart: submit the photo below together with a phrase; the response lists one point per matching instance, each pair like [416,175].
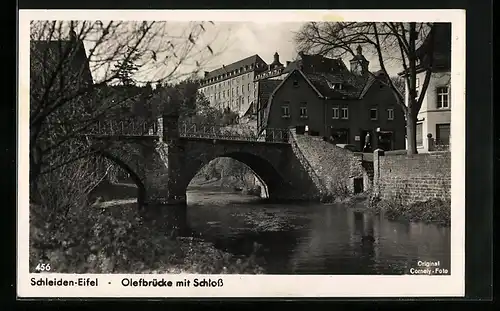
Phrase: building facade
[233,86]
[335,102]
[433,129]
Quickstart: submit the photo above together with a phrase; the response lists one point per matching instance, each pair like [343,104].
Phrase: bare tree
[72,64]
[391,43]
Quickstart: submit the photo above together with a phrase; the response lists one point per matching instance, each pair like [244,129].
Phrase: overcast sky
[233,41]
[246,39]
[264,39]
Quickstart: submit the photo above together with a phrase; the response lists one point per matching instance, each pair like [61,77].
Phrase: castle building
[232,86]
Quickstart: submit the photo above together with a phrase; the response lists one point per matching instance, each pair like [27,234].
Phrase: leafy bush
[431,211]
[122,240]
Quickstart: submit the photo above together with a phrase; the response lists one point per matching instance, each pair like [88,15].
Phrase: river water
[314,238]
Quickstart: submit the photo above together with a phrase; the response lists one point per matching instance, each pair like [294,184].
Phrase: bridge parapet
[167,128]
[129,127]
[192,130]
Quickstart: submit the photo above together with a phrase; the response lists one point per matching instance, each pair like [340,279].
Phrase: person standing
[367,147]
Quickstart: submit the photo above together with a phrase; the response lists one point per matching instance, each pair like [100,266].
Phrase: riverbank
[121,240]
[434,211]
[225,184]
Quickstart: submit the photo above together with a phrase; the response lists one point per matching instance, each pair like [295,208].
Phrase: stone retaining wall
[333,169]
[414,178]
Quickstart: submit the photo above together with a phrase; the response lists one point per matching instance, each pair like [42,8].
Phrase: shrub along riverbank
[121,240]
[433,211]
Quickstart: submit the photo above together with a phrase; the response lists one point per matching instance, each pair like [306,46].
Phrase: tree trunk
[411,132]
[412,111]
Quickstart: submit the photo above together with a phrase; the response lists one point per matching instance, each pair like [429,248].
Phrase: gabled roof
[441,49]
[254,59]
[442,46]
[352,85]
[378,75]
[46,56]
[267,106]
[266,88]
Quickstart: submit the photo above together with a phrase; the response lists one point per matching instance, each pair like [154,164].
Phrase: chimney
[276,58]
[206,74]
[288,63]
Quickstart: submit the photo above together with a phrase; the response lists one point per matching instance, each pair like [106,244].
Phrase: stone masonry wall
[413,178]
[332,168]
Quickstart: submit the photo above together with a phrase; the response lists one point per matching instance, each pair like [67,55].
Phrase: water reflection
[314,239]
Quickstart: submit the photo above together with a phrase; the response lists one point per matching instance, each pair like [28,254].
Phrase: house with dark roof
[58,68]
[65,58]
[232,86]
[333,101]
[434,117]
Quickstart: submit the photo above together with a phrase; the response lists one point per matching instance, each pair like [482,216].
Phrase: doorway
[339,135]
[358,185]
[386,140]
[443,134]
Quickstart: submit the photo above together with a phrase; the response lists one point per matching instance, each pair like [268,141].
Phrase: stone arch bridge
[163,156]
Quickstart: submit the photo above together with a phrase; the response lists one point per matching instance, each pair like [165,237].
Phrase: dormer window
[336,86]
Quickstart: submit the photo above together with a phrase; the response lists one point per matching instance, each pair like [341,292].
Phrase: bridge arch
[124,158]
[260,167]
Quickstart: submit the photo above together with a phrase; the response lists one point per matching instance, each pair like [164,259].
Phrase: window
[248,99]
[390,114]
[242,89]
[373,114]
[345,113]
[443,97]
[295,83]
[285,111]
[233,91]
[335,112]
[249,87]
[303,110]
[336,86]
[417,86]
[419,135]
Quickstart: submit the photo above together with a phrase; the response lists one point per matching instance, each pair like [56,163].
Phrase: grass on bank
[121,240]
[435,211]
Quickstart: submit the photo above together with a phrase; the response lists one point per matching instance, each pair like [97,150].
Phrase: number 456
[43,267]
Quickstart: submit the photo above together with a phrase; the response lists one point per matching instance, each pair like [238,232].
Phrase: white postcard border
[254,285]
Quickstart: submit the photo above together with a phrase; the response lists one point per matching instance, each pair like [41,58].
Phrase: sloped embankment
[332,169]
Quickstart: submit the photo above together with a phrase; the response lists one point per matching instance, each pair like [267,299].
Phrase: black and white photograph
[186,148]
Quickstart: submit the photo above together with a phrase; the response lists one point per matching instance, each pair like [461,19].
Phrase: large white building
[434,117]
[236,85]
[233,86]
